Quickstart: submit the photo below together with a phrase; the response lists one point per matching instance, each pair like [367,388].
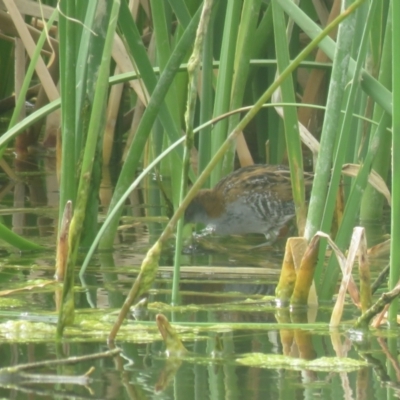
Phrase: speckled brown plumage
[254,199]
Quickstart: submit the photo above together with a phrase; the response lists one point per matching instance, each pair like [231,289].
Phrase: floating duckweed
[273,361]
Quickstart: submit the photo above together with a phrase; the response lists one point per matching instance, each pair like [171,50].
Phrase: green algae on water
[330,364]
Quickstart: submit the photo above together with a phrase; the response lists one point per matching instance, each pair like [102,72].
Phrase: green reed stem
[67,28]
[94,136]
[68,166]
[163,50]
[181,11]
[224,80]
[329,135]
[90,48]
[292,134]
[206,96]
[372,203]
[193,72]
[395,225]
[343,141]
[244,50]
[265,122]
[17,241]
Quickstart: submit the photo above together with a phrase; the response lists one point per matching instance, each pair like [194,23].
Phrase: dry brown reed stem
[62,243]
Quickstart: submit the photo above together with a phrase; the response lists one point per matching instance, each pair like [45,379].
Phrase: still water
[240,344]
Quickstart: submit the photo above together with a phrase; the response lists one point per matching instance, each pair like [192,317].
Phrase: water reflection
[142,370]
[228,320]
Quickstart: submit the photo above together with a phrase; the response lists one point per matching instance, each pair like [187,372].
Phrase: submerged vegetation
[182,92]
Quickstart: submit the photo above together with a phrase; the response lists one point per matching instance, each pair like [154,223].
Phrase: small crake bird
[253,199]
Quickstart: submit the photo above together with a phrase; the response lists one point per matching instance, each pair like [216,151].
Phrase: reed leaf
[372,203]
[224,81]
[395,217]
[244,50]
[206,97]
[68,54]
[292,134]
[17,241]
[330,126]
